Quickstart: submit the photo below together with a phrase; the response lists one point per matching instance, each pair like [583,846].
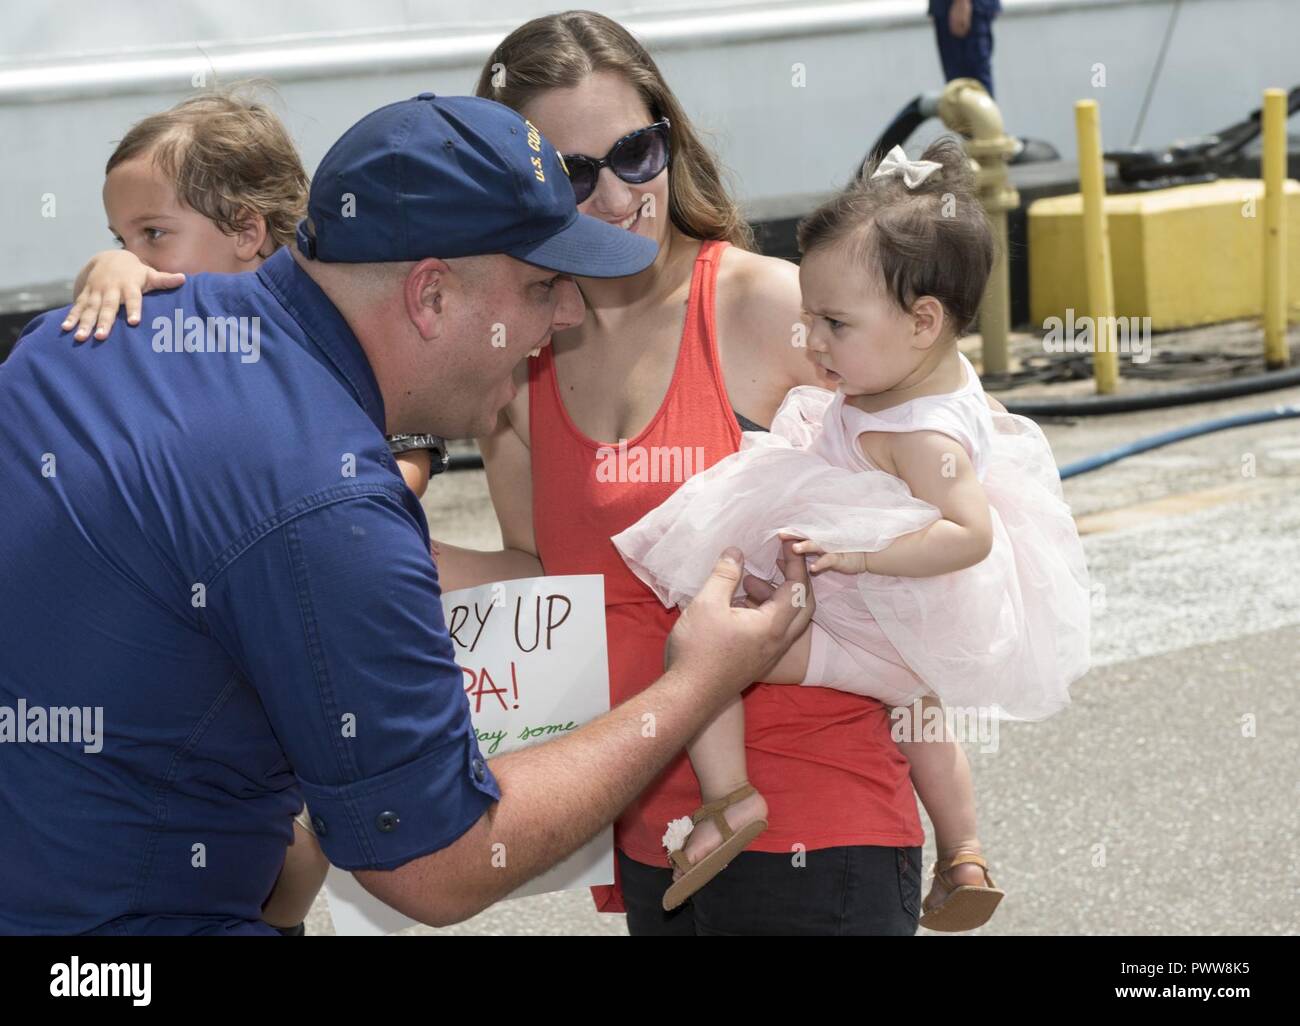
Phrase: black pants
[853,891]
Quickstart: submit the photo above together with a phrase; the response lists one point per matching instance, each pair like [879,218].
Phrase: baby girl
[947,565]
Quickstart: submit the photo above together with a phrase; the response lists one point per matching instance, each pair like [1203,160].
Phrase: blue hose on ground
[1204,427]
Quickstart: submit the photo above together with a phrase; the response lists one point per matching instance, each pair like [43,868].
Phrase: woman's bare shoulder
[759,310]
[753,280]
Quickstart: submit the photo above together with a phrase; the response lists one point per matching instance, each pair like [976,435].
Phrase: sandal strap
[942,866]
[961,857]
[678,860]
[714,809]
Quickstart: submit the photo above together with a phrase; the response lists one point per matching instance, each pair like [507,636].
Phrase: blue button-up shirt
[213,552]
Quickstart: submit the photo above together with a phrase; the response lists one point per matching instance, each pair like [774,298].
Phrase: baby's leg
[718,758]
[793,667]
[942,778]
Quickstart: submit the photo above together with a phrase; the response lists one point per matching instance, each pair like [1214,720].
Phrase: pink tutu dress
[1008,635]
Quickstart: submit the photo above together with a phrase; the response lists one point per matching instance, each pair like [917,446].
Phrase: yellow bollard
[1273,171]
[967,108]
[1096,246]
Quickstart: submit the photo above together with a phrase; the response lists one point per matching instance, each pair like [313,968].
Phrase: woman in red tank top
[609,420]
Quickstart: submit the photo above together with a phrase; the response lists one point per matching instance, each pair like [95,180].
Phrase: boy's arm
[110,279]
[299,882]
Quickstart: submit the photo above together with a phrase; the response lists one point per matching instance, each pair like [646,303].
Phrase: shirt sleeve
[335,617]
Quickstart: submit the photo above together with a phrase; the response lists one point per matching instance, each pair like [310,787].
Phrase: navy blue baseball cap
[457,176]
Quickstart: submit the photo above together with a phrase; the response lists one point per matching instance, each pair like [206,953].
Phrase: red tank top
[823,759]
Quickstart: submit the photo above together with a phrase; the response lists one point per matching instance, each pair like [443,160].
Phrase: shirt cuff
[385,821]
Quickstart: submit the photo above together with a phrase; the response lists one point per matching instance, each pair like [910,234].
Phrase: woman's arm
[508,463]
[938,471]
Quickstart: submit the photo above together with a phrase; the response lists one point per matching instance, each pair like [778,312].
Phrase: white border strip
[423,47]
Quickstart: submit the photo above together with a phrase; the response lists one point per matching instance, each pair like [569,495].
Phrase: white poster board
[535,667]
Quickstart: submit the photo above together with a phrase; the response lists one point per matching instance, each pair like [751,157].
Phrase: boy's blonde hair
[227,156]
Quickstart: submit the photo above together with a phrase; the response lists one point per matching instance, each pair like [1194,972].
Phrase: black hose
[1093,406]
[905,122]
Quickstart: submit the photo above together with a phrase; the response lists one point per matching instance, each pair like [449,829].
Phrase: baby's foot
[706,836]
[967,874]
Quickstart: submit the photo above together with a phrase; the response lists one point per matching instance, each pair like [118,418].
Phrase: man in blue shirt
[216,590]
[964,32]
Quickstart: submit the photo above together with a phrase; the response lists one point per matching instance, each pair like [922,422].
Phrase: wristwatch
[439,459]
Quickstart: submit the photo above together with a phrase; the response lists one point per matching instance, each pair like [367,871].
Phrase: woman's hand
[110,279]
[842,562]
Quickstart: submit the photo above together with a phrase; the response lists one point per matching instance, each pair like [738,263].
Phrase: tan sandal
[696,875]
[966,906]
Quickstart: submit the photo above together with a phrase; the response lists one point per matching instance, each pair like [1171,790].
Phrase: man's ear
[425,292]
[928,320]
[252,237]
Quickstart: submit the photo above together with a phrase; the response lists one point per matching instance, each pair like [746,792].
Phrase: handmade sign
[532,653]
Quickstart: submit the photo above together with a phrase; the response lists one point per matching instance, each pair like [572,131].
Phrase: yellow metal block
[1190,255]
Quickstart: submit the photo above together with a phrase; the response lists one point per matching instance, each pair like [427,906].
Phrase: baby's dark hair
[933,240]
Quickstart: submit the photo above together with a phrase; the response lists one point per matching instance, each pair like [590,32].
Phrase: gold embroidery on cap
[535,144]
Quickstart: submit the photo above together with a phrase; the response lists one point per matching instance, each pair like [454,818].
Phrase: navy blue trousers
[970,56]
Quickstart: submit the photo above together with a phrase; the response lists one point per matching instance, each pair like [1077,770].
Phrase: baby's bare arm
[938,471]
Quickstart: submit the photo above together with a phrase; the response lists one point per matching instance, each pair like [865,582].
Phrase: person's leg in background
[859,891]
[968,56]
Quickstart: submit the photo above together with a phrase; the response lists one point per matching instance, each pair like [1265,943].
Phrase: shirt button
[387,822]
[480,769]
[318,825]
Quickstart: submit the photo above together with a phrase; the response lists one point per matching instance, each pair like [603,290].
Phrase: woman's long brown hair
[558,51]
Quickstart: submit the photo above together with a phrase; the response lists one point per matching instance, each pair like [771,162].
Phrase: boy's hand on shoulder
[111,279]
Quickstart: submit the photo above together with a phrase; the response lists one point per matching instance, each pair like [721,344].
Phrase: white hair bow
[914,172]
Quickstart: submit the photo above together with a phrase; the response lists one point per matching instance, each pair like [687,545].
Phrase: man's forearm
[566,791]
[554,798]
[467,568]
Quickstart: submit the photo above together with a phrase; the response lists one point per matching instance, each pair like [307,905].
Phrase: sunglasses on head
[638,157]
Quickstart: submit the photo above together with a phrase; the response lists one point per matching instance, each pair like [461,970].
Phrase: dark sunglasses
[636,158]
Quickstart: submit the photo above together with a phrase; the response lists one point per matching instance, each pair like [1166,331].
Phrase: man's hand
[733,646]
[111,279]
[959,15]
